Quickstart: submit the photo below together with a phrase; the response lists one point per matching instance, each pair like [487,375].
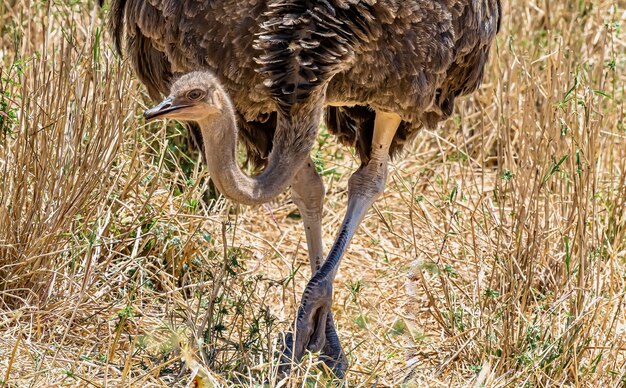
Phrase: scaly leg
[364,187]
[307,192]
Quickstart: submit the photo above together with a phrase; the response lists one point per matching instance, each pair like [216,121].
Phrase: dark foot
[332,354]
[315,330]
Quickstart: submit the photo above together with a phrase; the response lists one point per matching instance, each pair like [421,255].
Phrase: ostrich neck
[219,133]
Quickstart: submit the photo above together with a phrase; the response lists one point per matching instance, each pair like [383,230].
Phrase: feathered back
[411,57]
[305,43]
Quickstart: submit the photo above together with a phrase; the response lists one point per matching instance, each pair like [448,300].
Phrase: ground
[496,256]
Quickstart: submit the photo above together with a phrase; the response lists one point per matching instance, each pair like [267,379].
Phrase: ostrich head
[200,97]
[193,97]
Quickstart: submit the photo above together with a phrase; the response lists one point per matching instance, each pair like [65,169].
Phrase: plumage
[409,57]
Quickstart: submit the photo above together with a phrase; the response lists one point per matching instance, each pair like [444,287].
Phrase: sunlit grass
[496,256]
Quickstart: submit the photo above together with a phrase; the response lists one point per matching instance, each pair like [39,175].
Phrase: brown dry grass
[496,257]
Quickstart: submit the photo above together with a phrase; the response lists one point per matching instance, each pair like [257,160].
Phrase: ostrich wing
[166,37]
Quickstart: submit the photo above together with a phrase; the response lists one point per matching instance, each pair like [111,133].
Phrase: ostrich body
[381,70]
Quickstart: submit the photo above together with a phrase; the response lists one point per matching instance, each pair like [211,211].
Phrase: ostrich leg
[307,192]
[364,187]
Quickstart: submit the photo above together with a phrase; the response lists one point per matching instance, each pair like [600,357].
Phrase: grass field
[496,256]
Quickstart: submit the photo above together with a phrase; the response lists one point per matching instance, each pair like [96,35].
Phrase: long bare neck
[219,132]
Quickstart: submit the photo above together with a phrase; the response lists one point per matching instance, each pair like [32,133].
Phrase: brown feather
[412,57]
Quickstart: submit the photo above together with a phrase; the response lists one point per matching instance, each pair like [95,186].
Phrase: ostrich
[380,70]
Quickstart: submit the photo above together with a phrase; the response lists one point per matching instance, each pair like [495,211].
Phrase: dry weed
[496,257]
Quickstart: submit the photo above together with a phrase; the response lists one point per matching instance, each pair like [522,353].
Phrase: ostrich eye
[195,94]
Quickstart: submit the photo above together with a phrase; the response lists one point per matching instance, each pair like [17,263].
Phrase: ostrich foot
[332,354]
[315,329]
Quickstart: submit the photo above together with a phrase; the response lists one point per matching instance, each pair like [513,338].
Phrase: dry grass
[496,257]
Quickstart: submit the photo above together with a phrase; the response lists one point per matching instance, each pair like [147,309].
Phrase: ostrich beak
[166,106]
